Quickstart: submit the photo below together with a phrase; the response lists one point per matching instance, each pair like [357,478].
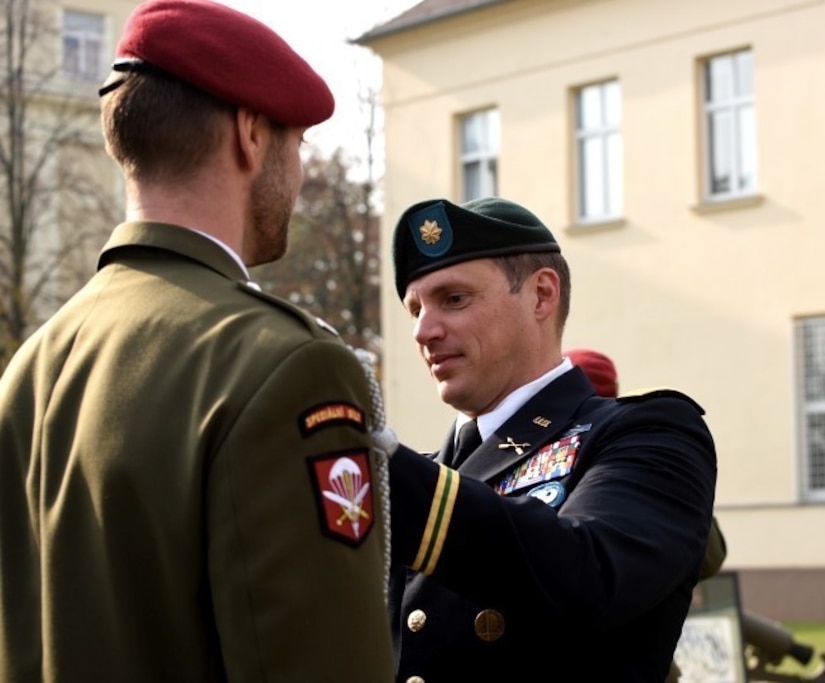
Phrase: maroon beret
[227,54]
[599,369]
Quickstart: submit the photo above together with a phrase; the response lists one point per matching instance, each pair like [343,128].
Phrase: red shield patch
[343,490]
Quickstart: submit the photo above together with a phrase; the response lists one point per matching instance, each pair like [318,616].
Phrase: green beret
[436,233]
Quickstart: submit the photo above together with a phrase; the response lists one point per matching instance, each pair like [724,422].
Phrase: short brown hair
[157,127]
[519,267]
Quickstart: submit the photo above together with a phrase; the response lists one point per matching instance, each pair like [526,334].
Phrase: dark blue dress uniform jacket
[592,580]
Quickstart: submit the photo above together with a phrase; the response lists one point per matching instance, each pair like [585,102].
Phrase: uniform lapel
[543,418]
[445,455]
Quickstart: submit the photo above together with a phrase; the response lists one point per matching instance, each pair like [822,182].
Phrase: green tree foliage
[332,267]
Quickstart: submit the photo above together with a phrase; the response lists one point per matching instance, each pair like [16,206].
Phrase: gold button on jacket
[416,620]
[489,625]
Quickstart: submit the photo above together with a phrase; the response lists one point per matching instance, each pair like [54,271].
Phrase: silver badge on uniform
[577,429]
[551,493]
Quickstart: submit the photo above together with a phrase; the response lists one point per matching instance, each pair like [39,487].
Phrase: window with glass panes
[599,152]
[729,126]
[479,154]
[810,360]
[82,45]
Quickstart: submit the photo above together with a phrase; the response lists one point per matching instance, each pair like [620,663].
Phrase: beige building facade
[676,150]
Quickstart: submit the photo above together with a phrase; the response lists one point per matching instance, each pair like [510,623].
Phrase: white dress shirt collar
[226,248]
[490,422]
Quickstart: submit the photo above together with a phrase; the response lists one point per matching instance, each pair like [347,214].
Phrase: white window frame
[479,134]
[88,33]
[810,366]
[599,155]
[729,126]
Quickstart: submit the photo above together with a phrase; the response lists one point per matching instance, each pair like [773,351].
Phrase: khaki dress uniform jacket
[564,549]
[165,449]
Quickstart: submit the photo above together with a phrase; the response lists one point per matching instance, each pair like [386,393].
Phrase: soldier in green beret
[188,490]
[557,535]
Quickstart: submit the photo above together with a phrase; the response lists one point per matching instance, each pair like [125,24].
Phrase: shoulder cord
[385,442]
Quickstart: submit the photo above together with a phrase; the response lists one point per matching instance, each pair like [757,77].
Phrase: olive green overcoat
[186,487]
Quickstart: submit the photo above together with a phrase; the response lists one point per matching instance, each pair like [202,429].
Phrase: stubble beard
[272,203]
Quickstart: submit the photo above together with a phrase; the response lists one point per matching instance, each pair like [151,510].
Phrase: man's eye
[455,299]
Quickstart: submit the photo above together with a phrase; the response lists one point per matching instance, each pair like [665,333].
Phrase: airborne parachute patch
[343,491]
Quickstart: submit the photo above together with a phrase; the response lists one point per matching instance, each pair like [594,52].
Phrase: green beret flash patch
[431,230]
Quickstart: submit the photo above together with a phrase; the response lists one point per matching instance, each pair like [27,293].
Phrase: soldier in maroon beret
[189,482]
[600,370]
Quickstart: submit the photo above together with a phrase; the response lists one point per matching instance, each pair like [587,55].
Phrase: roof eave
[402,25]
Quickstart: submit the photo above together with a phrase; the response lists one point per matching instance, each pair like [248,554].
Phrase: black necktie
[468,440]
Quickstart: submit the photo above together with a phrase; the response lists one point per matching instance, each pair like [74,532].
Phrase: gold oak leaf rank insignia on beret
[430,232]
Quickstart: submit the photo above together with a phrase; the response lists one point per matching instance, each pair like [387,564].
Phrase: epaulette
[657,392]
[310,321]
[329,328]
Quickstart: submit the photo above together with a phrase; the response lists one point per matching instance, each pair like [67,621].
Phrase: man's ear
[253,132]
[548,292]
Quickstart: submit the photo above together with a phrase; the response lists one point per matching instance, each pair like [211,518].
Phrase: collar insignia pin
[512,444]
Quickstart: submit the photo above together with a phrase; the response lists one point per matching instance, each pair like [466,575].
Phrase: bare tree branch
[55,208]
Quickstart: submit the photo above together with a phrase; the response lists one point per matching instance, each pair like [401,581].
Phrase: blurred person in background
[601,371]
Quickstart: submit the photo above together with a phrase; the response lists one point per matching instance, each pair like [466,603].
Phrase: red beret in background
[599,369]
[229,55]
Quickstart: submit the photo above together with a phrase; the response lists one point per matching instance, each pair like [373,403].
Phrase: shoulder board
[657,392]
[310,321]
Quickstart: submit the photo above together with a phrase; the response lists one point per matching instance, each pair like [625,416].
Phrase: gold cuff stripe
[441,510]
